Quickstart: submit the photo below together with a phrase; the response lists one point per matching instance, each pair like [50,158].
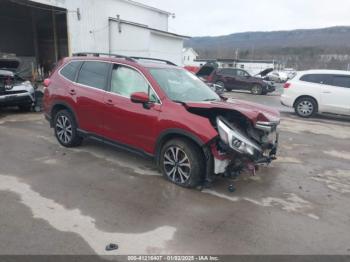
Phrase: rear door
[88,94]
[228,76]
[336,94]
[126,122]
[243,79]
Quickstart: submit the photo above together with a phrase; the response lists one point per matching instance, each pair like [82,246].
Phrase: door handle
[327,92]
[72,92]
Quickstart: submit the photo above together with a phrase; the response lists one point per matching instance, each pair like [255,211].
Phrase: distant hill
[307,48]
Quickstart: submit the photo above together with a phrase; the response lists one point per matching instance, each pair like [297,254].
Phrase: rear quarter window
[341,81]
[70,70]
[229,72]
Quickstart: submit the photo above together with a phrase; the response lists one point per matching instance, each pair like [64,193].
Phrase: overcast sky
[220,17]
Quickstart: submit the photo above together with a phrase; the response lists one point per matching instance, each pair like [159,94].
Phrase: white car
[318,91]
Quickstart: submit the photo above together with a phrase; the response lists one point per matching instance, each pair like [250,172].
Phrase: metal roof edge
[149,28]
[147,7]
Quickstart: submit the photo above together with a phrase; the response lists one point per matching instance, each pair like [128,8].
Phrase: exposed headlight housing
[236,139]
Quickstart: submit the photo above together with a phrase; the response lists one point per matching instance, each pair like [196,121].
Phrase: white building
[48,30]
[189,57]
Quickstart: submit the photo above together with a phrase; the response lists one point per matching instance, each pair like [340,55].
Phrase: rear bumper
[287,101]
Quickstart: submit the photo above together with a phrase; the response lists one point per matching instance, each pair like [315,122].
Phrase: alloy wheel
[64,129]
[177,165]
[305,108]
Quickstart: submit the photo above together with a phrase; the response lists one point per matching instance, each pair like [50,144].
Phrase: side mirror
[140,98]
[47,82]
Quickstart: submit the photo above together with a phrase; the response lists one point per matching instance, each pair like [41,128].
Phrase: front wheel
[256,90]
[66,129]
[182,163]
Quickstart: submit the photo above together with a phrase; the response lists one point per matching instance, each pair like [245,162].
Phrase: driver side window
[126,81]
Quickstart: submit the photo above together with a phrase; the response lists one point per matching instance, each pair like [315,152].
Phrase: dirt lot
[76,201]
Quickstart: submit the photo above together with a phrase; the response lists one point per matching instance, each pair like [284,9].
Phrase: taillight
[47,82]
[287,85]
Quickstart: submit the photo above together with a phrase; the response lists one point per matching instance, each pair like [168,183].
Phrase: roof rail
[153,59]
[131,59]
[104,54]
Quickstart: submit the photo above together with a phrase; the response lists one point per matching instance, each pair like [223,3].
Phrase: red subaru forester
[160,110]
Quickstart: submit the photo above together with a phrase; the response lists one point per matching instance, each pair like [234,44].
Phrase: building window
[242,66]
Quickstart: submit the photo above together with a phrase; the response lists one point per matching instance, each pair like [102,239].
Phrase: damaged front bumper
[234,151]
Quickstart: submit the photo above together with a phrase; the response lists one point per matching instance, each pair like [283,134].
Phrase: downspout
[109,37]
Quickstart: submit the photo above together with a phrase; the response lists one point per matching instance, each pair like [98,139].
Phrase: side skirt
[115,144]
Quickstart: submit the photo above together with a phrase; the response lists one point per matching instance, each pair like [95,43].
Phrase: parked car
[318,91]
[159,110]
[235,79]
[14,90]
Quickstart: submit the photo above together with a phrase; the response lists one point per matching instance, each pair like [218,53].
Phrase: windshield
[182,86]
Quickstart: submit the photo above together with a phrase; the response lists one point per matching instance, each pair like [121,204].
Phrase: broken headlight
[236,139]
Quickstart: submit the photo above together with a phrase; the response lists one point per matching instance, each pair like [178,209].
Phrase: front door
[126,122]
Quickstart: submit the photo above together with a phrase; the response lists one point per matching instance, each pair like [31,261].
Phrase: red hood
[255,112]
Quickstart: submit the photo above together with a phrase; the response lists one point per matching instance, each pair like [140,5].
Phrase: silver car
[14,90]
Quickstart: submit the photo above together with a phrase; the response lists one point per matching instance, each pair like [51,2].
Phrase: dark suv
[159,110]
[235,79]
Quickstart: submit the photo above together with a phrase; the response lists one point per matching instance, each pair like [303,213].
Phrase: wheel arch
[176,133]
[58,106]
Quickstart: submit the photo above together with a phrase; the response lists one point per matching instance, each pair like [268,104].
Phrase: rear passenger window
[70,70]
[342,81]
[229,72]
[94,74]
[317,79]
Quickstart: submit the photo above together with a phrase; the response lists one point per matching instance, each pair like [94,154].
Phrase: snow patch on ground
[338,180]
[290,202]
[338,154]
[74,221]
[300,126]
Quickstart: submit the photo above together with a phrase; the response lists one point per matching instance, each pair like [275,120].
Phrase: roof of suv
[324,71]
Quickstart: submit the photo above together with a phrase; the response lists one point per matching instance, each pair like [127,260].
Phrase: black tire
[25,108]
[256,89]
[306,107]
[74,138]
[193,168]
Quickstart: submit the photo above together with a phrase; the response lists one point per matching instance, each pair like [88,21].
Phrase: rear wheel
[256,89]
[305,107]
[66,129]
[222,84]
[182,163]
